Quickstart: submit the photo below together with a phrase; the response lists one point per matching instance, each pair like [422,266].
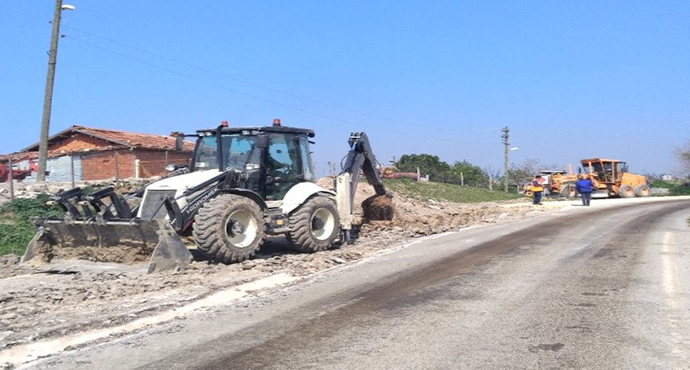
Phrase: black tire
[314,226]
[229,228]
[626,191]
[643,191]
[569,191]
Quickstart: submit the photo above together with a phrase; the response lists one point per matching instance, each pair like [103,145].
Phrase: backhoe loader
[243,184]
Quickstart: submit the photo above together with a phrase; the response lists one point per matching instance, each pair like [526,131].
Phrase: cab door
[287,163]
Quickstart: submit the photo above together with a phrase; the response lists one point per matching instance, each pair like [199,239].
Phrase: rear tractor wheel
[626,191]
[643,191]
[314,225]
[229,228]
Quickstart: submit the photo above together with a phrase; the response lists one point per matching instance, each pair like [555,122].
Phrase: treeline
[466,173]
[440,171]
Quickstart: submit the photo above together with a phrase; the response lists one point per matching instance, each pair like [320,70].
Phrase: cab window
[287,164]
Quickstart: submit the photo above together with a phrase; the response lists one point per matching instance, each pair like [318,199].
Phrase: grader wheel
[626,191]
[569,191]
[643,191]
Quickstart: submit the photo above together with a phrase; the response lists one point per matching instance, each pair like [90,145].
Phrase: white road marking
[671,283]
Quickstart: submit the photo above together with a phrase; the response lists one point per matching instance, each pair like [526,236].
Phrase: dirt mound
[9,260]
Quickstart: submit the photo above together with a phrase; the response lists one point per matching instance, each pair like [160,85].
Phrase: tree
[472,175]
[428,164]
[682,154]
[521,173]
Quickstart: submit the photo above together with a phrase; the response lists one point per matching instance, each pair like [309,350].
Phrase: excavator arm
[360,159]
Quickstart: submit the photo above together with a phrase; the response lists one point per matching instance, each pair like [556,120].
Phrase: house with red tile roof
[87,153]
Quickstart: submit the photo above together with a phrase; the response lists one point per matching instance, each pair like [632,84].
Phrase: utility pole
[48,98]
[506,145]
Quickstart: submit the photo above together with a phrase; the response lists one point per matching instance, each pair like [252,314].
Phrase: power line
[186,76]
[247,82]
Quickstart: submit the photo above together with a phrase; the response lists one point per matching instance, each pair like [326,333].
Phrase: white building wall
[60,169]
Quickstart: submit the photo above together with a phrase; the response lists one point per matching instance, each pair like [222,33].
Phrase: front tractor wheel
[314,225]
[229,228]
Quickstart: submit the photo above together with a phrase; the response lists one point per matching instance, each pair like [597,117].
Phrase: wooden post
[165,168]
[117,170]
[491,182]
[11,175]
[462,179]
[72,169]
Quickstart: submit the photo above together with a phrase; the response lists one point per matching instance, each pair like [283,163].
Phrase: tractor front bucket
[130,242]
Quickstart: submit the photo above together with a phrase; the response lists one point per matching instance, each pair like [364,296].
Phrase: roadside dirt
[37,304]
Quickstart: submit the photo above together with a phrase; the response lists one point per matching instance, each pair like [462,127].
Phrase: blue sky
[570,79]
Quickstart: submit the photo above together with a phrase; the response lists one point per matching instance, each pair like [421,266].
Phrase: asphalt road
[590,289]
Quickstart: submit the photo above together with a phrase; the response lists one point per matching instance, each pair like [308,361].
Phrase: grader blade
[125,242]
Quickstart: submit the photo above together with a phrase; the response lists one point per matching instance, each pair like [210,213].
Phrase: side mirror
[579,170]
[179,143]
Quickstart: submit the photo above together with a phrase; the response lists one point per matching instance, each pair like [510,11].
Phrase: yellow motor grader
[610,177]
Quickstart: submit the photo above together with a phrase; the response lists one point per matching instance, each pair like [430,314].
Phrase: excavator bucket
[378,208]
[131,242]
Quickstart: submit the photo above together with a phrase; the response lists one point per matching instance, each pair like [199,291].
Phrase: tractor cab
[271,160]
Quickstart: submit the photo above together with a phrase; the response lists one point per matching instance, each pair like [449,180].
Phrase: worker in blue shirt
[584,187]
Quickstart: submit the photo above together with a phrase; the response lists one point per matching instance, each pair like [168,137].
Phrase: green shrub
[663,184]
[16,229]
[681,189]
